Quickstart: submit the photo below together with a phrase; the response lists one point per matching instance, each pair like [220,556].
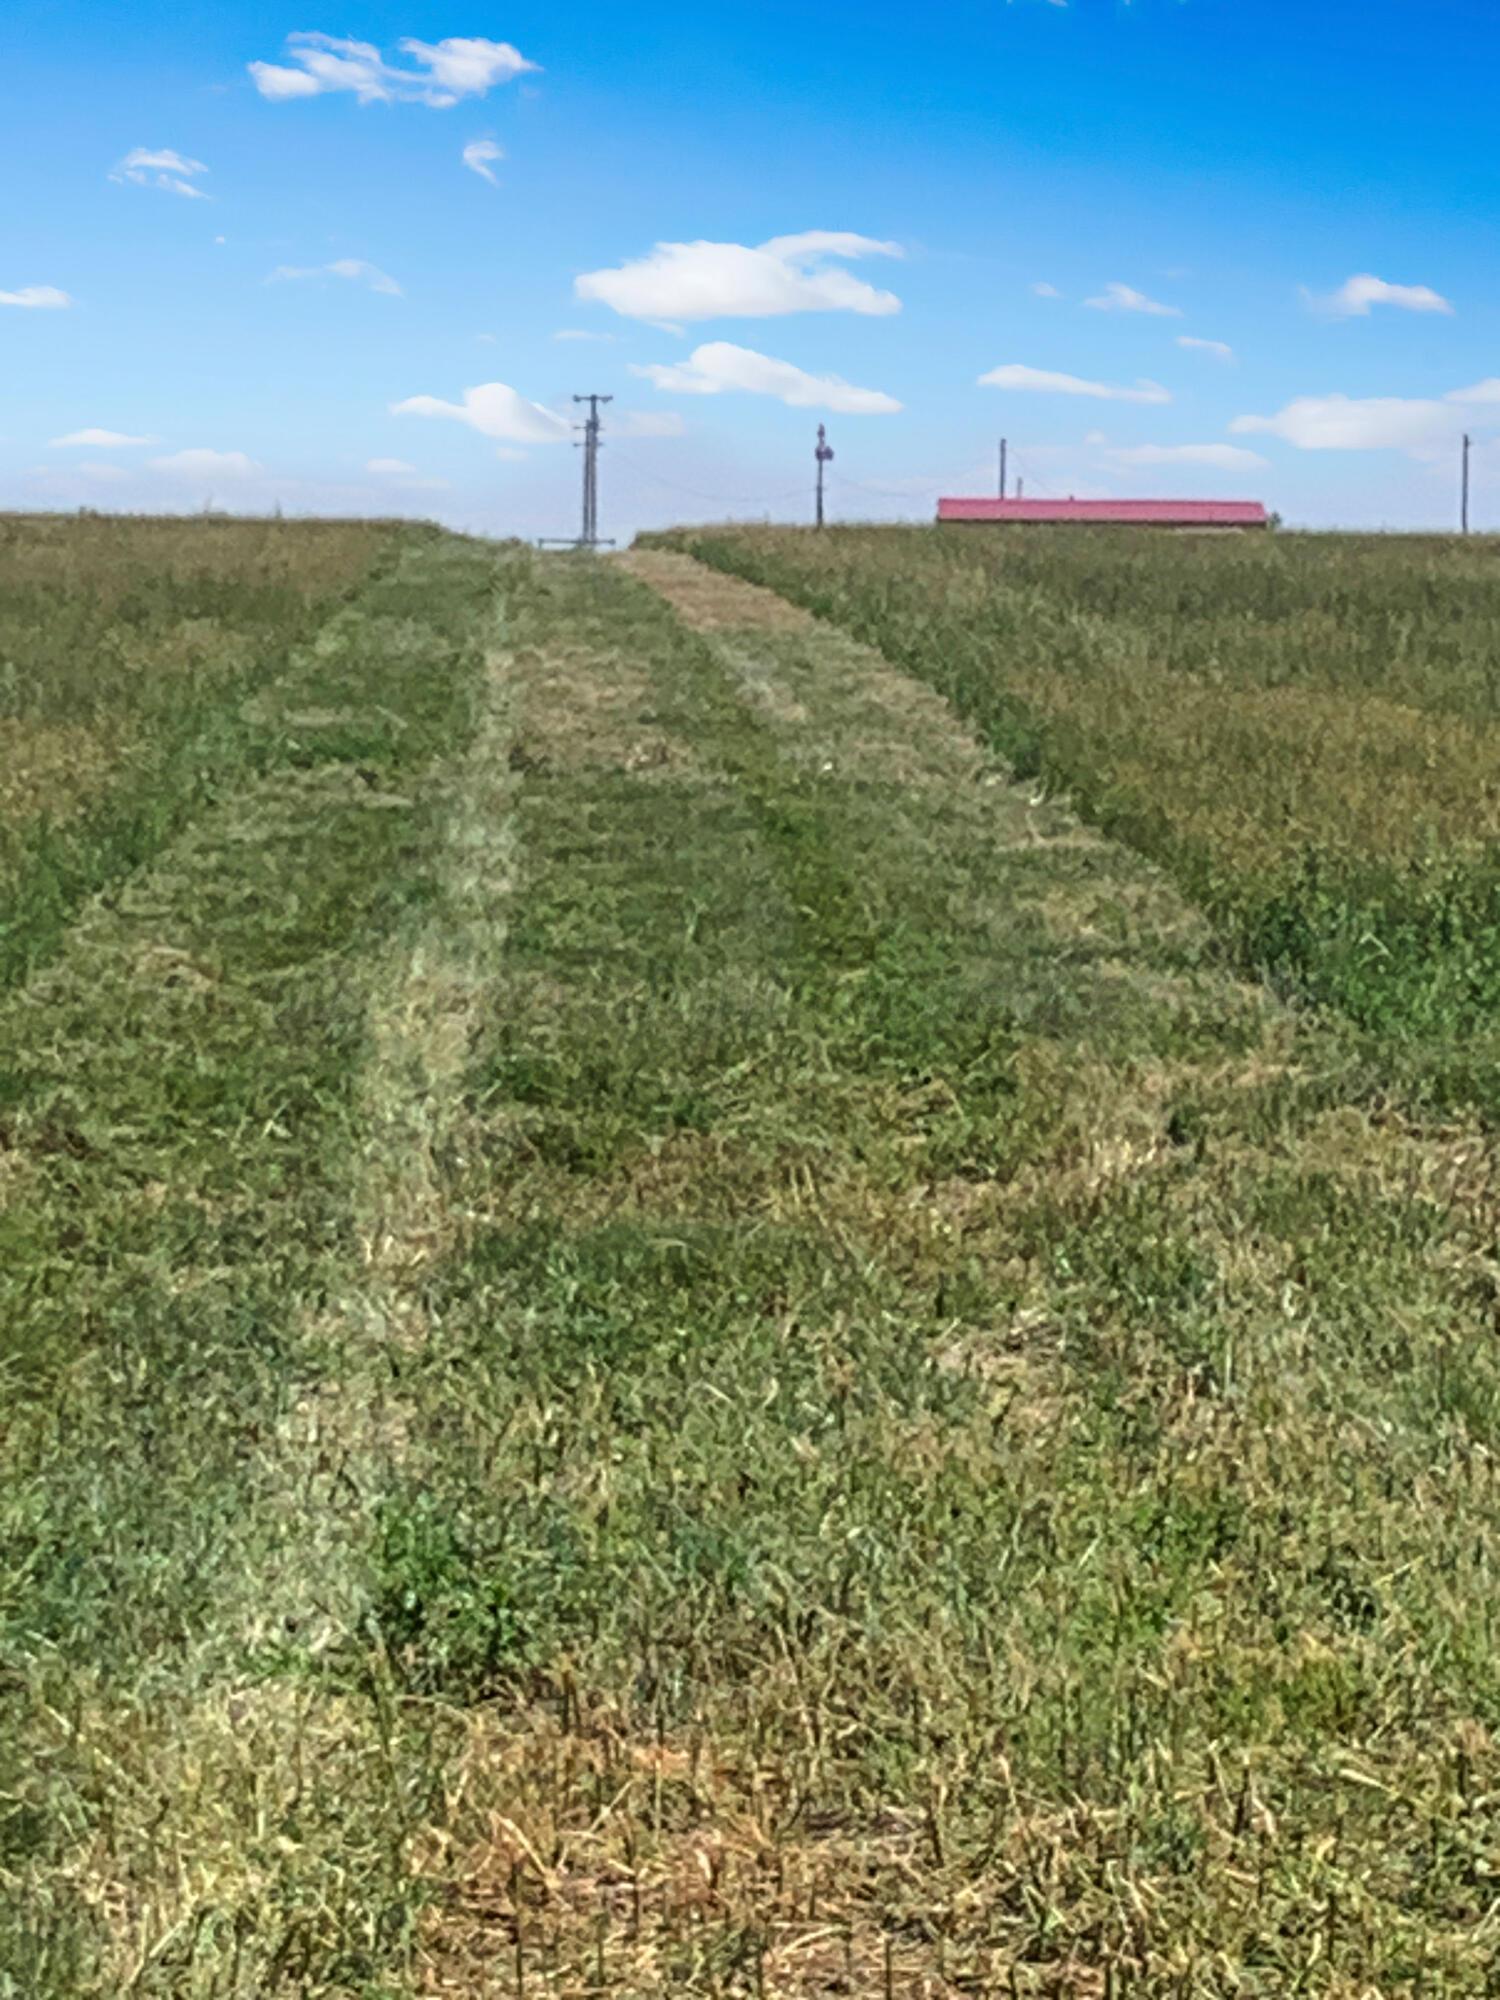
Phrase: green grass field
[1304,730]
[663,1335]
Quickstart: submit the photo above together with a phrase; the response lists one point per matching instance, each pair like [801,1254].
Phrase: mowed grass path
[671,1339]
[1304,730]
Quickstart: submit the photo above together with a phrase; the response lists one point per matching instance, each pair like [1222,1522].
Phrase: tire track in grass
[228,1103]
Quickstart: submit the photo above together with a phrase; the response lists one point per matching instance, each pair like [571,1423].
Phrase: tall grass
[1305,731]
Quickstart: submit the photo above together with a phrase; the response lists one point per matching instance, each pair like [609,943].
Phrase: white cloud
[442,74]
[1219,349]
[39,298]
[203,464]
[1356,295]
[1045,381]
[1356,423]
[355,269]
[494,410]
[720,366]
[1045,291]
[161,169]
[1125,299]
[480,156]
[1226,457]
[577,333]
[1487,391]
[789,274]
[406,476]
[99,440]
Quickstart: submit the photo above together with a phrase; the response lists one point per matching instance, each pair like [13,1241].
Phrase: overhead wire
[719,499]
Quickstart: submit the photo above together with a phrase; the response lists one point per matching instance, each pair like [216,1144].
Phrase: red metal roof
[1139,513]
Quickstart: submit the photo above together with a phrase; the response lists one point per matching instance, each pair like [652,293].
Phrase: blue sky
[1236,247]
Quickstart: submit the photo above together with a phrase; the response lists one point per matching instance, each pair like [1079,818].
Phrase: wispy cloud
[354,269]
[648,424]
[161,169]
[98,440]
[439,74]
[789,274]
[1125,299]
[1224,457]
[720,367]
[496,411]
[480,156]
[1357,423]
[1355,297]
[407,477]
[1047,382]
[579,333]
[200,464]
[1043,290]
[1219,349]
[37,298]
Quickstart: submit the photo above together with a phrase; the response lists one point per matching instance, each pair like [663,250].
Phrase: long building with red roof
[1114,513]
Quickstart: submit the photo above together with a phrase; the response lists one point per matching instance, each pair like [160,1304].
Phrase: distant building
[1111,513]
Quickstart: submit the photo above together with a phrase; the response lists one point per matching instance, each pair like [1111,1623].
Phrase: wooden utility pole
[824,456]
[1464,502]
[1003,443]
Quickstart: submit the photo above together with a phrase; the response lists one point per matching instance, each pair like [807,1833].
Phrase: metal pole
[1464,505]
[824,456]
[592,427]
[1003,443]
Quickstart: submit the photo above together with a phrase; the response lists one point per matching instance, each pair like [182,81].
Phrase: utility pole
[824,456]
[1464,503]
[589,538]
[1003,443]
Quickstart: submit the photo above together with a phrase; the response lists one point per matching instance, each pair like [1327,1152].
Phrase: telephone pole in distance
[589,538]
[1464,489]
[824,456]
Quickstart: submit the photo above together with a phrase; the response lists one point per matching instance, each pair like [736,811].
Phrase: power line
[718,499]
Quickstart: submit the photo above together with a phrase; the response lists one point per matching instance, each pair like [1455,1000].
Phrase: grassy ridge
[1307,732]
